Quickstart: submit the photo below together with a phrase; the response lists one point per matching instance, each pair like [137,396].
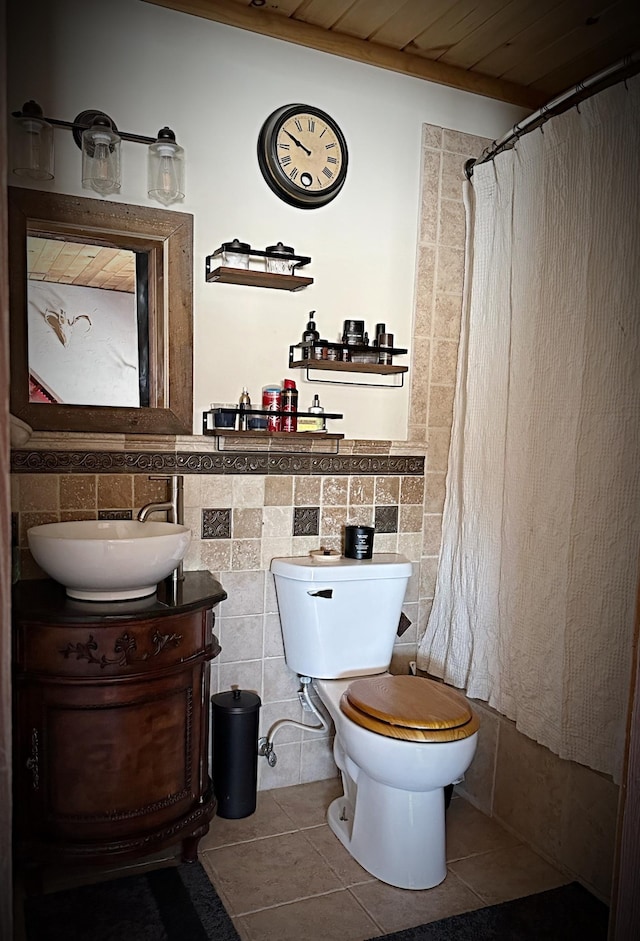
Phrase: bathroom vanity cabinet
[111,720]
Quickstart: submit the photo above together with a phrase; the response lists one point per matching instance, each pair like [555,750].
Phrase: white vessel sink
[109,560]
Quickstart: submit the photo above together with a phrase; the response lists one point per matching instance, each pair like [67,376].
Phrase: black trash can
[234,724]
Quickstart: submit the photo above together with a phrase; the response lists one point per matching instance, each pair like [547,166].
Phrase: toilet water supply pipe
[265,744]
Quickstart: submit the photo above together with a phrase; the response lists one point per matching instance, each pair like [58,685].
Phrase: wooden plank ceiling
[92,266]
[520,51]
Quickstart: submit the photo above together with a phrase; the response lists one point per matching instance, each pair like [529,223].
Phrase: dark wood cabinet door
[100,762]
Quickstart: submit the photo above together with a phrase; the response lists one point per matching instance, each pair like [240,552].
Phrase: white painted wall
[215,85]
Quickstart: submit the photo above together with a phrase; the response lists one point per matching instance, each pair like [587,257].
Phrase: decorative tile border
[190,462]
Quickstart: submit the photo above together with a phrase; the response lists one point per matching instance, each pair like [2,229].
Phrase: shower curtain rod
[620,71]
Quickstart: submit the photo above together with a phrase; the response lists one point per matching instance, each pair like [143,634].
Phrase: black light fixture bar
[80,126]
[99,139]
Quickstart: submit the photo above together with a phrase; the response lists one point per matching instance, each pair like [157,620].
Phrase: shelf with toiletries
[223,421]
[353,354]
[278,420]
[275,267]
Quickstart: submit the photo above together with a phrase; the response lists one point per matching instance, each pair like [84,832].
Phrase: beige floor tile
[348,871]
[268,820]
[306,804]
[333,917]
[507,874]
[268,872]
[469,831]
[394,909]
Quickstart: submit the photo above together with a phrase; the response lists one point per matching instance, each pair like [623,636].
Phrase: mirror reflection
[83,337]
[101,315]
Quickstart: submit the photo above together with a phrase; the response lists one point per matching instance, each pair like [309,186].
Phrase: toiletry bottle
[319,423]
[244,406]
[380,328]
[289,406]
[309,336]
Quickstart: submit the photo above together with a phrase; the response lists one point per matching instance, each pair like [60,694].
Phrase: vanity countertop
[46,599]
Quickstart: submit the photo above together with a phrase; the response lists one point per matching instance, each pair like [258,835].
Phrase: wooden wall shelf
[281,441]
[278,440]
[258,279]
[284,435]
[337,366]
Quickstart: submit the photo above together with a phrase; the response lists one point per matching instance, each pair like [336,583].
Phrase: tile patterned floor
[282,873]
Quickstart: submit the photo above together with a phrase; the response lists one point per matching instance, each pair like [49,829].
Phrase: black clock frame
[274,175]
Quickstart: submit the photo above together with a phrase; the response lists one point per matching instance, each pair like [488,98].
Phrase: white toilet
[399,739]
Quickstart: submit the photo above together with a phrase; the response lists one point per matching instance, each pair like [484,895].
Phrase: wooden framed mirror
[101,305]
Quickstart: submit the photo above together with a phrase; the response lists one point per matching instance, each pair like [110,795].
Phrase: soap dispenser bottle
[309,337]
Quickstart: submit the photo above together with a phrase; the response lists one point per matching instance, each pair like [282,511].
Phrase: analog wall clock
[303,155]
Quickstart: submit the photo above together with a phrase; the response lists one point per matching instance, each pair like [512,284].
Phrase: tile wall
[245,509]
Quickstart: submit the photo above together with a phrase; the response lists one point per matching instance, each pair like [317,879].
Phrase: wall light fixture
[99,139]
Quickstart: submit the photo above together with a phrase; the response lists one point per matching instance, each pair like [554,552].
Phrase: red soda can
[272,401]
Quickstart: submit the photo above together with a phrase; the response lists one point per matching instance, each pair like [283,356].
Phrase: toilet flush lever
[323,593]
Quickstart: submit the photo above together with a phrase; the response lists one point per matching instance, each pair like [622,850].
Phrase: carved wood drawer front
[117,649]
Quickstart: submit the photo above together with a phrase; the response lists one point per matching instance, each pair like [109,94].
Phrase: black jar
[358,542]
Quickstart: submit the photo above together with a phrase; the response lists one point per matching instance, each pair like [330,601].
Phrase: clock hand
[298,143]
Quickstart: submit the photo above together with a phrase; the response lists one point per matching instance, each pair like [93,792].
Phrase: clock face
[303,156]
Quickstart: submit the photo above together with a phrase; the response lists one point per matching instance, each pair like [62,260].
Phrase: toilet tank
[340,618]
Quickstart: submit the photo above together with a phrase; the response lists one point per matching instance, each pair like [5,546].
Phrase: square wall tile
[247,523]
[116,490]
[78,492]
[386,519]
[216,524]
[531,789]
[306,520]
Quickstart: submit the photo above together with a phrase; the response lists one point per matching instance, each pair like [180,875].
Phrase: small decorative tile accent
[115,514]
[216,524]
[386,519]
[306,520]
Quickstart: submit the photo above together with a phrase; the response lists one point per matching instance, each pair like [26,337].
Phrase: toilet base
[397,836]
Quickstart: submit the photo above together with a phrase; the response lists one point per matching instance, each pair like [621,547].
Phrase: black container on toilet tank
[358,542]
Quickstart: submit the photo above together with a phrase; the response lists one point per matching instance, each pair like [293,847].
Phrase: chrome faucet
[173,507]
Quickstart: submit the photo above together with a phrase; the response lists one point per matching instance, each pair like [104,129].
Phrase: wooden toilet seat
[412,708]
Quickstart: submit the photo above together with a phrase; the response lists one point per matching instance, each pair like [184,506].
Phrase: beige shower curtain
[534,602]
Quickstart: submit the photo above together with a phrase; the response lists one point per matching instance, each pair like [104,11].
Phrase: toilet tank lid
[381,565]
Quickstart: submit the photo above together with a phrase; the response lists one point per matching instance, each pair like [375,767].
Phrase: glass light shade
[101,158]
[33,148]
[166,168]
